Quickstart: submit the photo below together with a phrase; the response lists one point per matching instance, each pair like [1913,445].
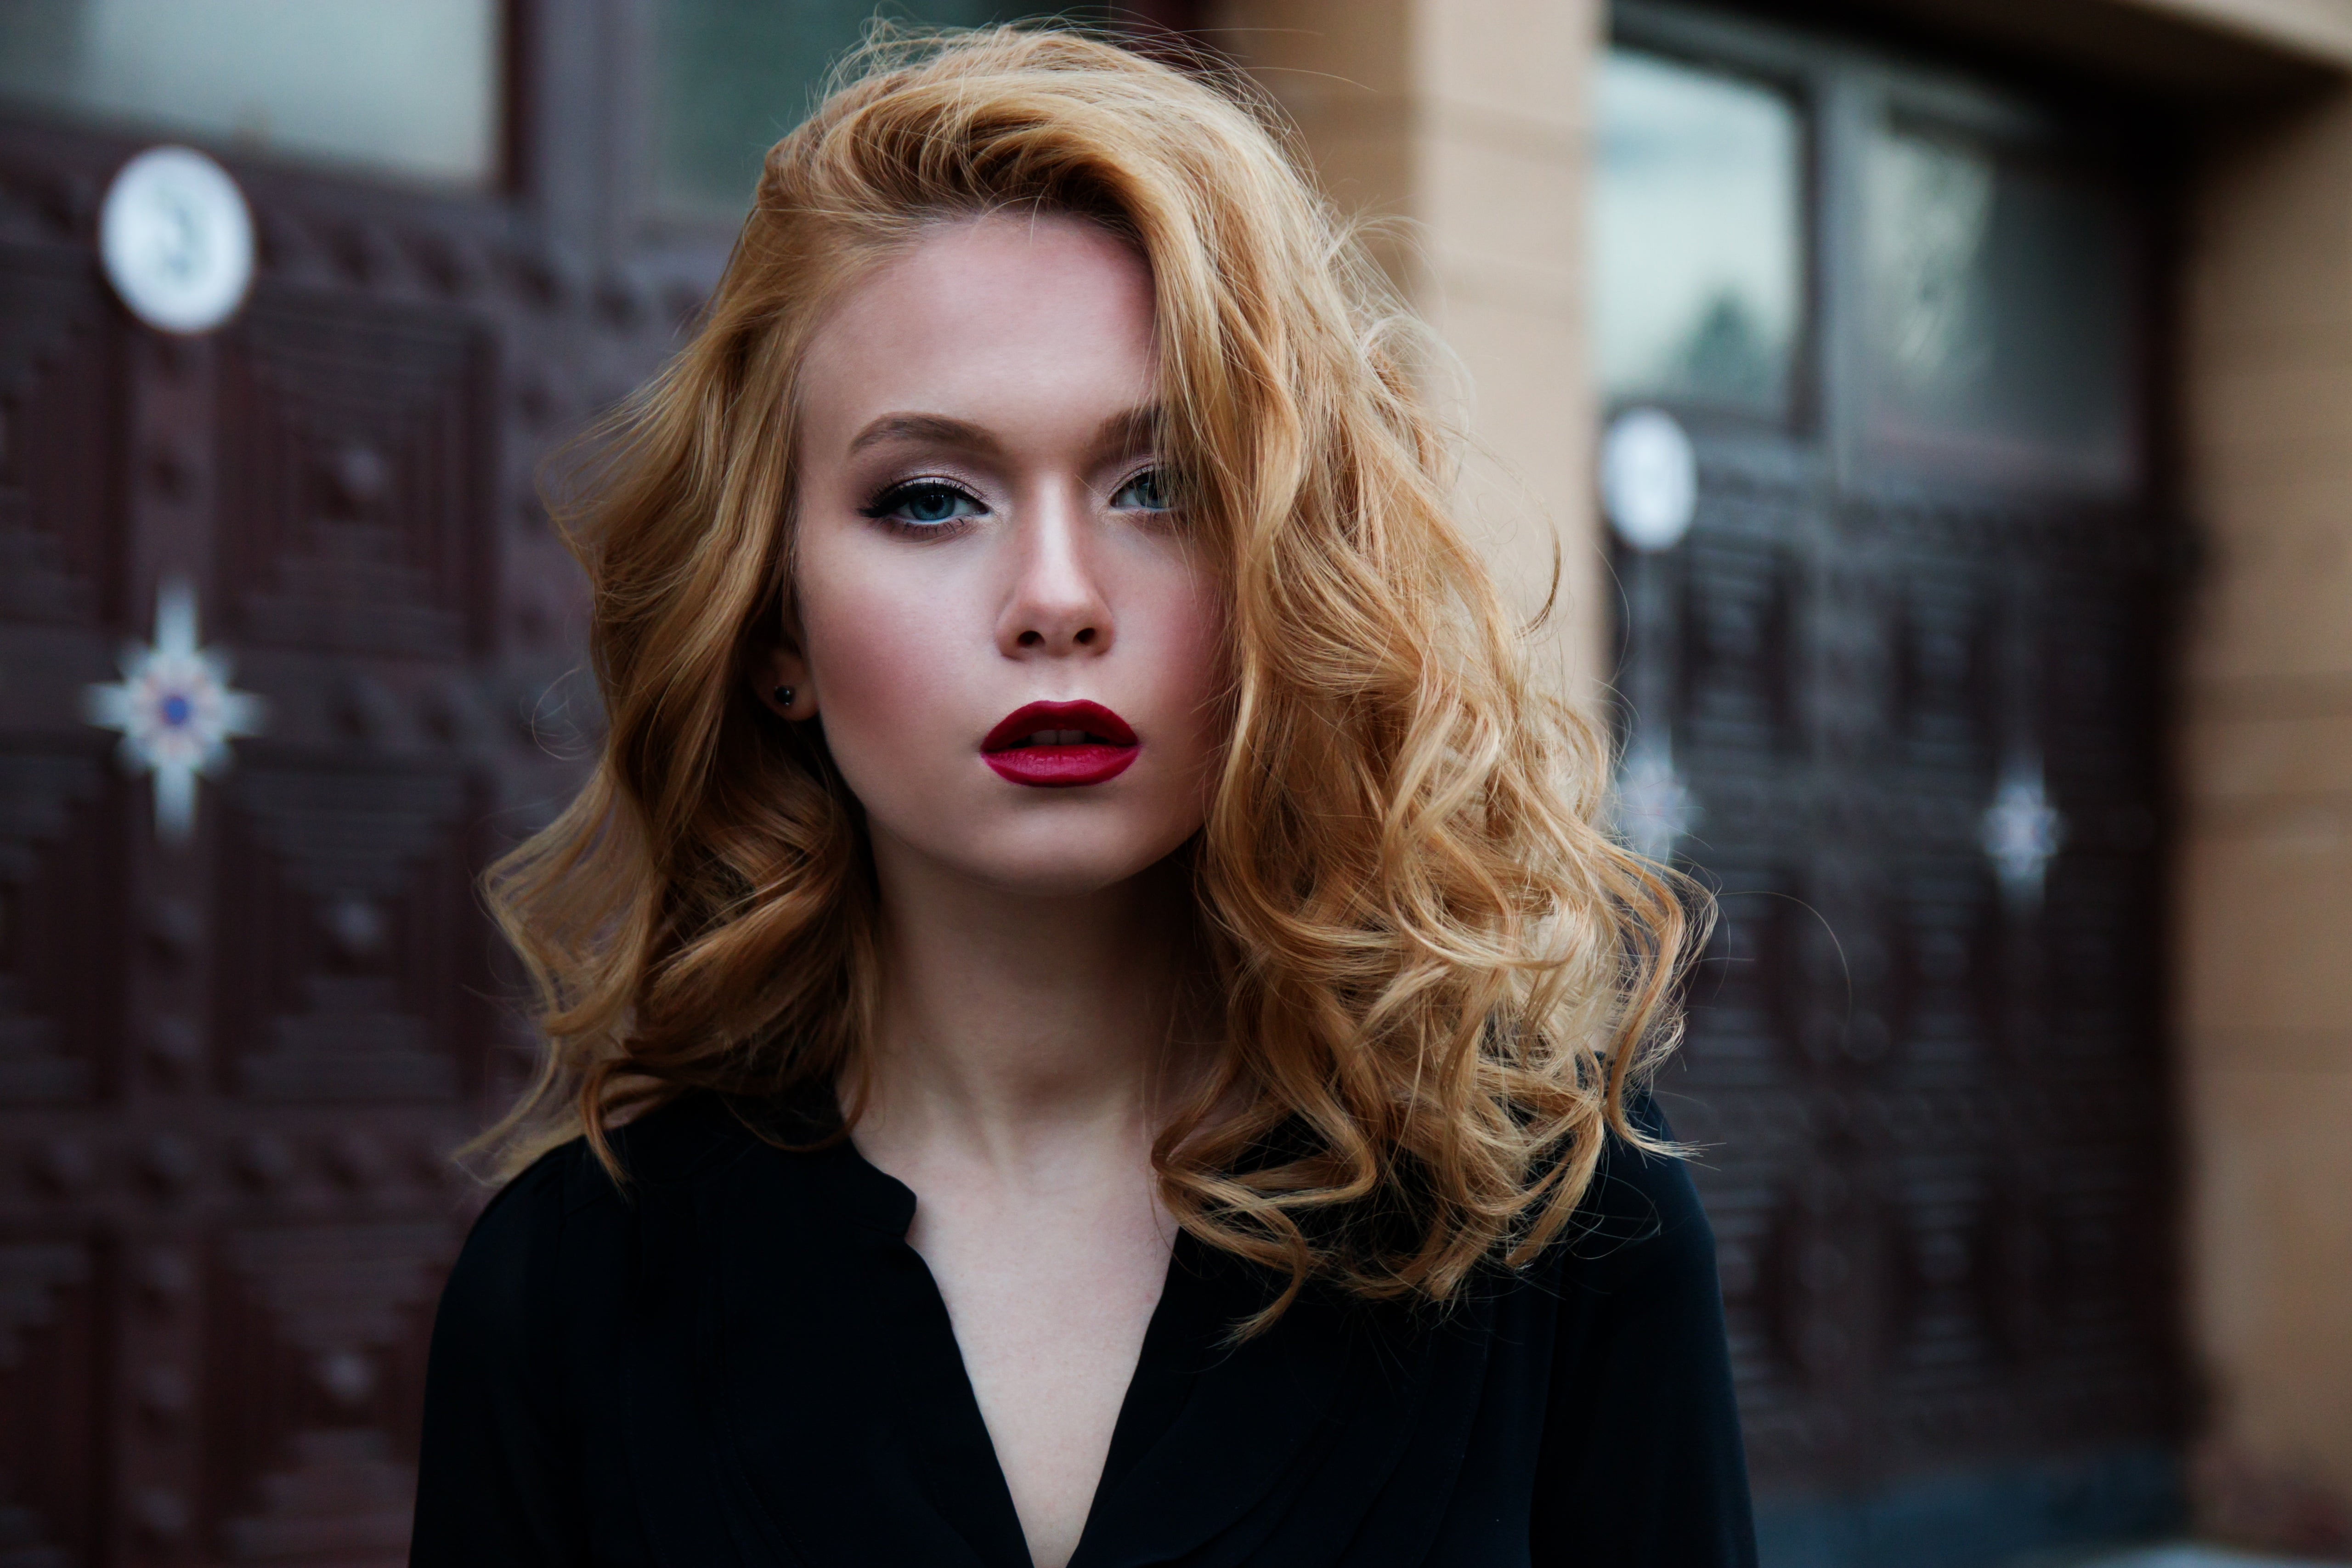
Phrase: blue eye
[1142,493]
[926,503]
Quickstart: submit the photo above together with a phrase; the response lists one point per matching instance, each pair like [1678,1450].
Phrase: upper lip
[1095,721]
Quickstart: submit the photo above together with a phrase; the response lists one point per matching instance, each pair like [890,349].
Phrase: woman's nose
[1056,604]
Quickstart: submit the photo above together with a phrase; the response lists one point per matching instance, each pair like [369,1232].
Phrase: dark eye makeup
[935,506]
[923,505]
[1146,491]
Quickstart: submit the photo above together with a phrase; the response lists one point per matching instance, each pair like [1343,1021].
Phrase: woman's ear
[779,676]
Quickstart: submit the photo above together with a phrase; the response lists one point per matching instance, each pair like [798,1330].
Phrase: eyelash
[1159,482]
[884,507]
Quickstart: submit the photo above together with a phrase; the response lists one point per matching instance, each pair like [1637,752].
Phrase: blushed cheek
[885,672]
[1193,680]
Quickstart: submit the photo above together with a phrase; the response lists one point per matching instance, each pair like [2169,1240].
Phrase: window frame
[1844,87]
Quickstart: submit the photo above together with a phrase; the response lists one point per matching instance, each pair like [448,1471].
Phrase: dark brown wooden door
[1896,695]
[232,1070]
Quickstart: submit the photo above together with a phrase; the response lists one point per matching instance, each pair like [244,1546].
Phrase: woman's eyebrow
[1130,429]
[933,427]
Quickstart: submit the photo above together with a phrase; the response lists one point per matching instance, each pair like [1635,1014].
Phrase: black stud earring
[784,695]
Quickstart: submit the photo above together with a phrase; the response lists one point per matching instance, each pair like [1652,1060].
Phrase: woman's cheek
[885,673]
[1174,640]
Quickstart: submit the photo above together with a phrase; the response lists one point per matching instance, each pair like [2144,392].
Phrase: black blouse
[739,1361]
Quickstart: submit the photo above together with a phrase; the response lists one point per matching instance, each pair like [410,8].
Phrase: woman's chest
[810,1403]
[1049,1313]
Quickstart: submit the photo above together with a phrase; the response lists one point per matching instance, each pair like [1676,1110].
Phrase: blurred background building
[1975,378]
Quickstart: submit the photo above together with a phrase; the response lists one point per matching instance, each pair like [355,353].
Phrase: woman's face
[1009,640]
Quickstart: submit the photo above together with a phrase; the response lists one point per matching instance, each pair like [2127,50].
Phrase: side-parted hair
[1437,971]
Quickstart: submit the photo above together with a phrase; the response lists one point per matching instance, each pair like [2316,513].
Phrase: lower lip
[1060,767]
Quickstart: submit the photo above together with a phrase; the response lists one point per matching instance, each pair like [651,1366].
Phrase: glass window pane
[736,75]
[1698,264]
[2000,312]
[406,86]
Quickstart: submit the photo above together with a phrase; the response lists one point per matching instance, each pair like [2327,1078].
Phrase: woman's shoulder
[1641,1457]
[567,1202]
[676,1141]
[1640,1219]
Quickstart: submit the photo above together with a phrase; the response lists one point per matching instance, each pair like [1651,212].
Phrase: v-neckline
[1156,1386]
[1207,1427]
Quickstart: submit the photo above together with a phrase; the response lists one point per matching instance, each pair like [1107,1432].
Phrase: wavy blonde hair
[1438,971]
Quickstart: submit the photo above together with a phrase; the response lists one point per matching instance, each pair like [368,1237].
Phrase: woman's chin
[1031,859]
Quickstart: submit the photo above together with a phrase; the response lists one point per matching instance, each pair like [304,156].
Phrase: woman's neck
[1021,1047]
[1016,1030]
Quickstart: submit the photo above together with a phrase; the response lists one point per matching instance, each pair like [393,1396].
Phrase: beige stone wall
[2264,973]
[1460,125]
[2317,29]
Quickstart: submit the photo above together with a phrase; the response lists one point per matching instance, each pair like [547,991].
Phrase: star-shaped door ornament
[175,710]
[1655,809]
[2021,831]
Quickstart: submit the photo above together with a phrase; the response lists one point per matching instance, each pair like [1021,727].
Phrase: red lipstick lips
[1060,745]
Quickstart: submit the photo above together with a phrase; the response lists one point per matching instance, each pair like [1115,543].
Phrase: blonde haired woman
[1089,1020]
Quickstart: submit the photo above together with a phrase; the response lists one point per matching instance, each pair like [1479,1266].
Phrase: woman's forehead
[986,322]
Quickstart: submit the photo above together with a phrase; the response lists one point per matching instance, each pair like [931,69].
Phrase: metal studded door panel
[357,453]
[1932,1100]
[62,896]
[232,1070]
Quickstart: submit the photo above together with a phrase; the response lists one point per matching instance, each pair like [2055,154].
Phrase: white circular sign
[176,239]
[1649,479]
